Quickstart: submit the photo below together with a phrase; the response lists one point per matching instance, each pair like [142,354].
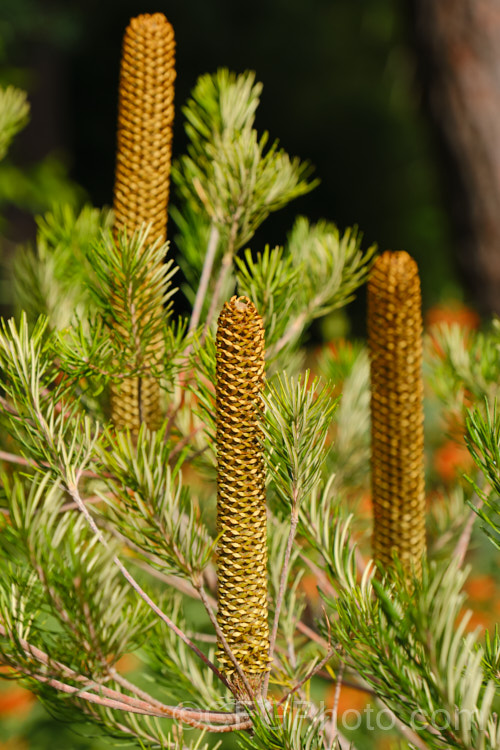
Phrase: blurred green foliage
[340,90]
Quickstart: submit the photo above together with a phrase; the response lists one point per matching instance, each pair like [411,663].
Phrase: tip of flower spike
[394,274]
[149,20]
[240,308]
[399,262]
[240,303]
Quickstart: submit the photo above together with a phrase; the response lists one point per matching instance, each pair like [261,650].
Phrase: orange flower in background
[309,585]
[483,594]
[479,620]
[128,663]
[452,312]
[366,504]
[451,460]
[14,743]
[15,700]
[351,699]
[481,588]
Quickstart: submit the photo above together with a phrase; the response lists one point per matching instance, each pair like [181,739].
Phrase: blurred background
[374,93]
[395,102]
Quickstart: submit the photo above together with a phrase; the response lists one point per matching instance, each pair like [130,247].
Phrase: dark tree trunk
[458,43]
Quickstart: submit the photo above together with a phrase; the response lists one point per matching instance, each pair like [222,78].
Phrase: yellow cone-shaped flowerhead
[145,118]
[144,151]
[395,344]
[241,505]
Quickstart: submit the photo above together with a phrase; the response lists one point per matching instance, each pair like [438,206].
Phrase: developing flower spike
[395,344]
[241,504]
[144,151]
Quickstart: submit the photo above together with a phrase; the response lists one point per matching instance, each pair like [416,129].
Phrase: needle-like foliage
[298,416]
[111,556]
[229,173]
[412,649]
[14,111]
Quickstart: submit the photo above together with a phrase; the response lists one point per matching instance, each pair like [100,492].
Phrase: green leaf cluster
[14,111]
[297,418]
[228,173]
[51,279]
[151,507]
[107,544]
[410,646]
[317,272]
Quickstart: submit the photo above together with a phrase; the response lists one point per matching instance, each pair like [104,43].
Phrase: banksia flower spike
[142,178]
[241,504]
[395,344]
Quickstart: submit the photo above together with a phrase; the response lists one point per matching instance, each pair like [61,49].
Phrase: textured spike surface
[145,117]
[241,505]
[395,344]
[144,151]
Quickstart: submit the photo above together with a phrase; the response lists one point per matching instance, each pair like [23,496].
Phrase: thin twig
[214,302]
[310,633]
[229,722]
[293,330]
[128,703]
[335,706]
[88,696]
[223,641]
[143,704]
[73,491]
[64,508]
[183,442]
[348,683]
[203,637]
[308,676]
[226,263]
[8,407]
[407,733]
[281,593]
[222,717]
[12,458]
[177,583]
[327,587]
[213,241]
[170,580]
[463,542]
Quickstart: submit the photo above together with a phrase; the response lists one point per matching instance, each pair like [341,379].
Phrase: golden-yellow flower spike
[241,504]
[142,178]
[145,117]
[395,344]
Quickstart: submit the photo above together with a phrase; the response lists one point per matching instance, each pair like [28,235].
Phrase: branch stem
[281,593]
[317,668]
[214,303]
[201,293]
[335,706]
[293,330]
[204,598]
[73,491]
[227,261]
[463,543]
[310,633]
[106,696]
